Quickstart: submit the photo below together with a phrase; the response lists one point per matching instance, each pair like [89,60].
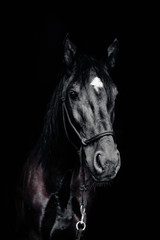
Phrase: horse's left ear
[69,52]
[112,53]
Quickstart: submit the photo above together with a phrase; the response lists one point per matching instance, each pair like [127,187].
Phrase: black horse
[76,149]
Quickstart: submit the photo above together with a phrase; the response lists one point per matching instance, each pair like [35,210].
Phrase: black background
[32,56]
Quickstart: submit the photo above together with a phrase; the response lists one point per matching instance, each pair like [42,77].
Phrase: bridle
[80,225]
[83,141]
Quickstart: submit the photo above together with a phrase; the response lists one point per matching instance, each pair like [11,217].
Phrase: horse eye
[73,95]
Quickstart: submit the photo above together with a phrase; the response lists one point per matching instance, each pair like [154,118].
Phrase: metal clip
[63,99]
[83,188]
[80,225]
[83,140]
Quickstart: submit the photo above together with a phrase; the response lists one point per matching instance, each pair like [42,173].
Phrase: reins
[81,225]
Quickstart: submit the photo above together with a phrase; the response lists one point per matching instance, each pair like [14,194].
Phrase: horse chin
[102,180]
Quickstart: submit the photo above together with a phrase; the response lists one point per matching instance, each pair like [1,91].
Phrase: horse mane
[49,139]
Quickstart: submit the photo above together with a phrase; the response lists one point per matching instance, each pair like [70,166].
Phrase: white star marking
[97,83]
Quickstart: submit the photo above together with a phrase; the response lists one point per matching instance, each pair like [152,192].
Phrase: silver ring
[82,223]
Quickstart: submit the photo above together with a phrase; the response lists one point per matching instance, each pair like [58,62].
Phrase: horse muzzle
[105,162]
[105,167]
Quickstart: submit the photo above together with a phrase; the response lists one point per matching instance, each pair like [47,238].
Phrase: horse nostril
[98,162]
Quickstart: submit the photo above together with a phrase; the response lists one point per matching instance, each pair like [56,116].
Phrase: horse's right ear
[69,51]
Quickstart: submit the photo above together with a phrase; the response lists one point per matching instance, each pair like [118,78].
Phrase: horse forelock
[87,66]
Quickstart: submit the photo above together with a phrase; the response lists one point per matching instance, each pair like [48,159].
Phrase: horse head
[88,97]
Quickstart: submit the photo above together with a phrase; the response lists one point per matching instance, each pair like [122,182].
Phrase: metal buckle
[63,99]
[83,140]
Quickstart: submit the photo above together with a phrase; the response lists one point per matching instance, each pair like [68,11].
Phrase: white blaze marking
[97,83]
